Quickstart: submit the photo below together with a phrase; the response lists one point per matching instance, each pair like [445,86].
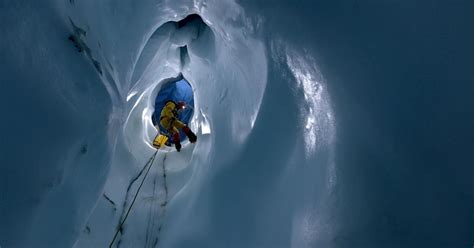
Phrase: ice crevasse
[266,170]
[133,48]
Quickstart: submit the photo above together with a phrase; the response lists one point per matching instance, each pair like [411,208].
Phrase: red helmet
[180,105]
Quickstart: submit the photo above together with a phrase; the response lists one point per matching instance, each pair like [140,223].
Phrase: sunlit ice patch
[315,109]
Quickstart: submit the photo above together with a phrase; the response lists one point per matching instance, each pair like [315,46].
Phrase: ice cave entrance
[177,90]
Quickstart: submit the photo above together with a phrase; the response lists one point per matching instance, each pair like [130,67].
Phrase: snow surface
[320,124]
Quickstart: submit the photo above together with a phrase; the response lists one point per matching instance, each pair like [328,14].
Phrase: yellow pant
[172,127]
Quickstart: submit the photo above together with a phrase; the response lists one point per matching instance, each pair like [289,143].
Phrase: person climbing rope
[169,120]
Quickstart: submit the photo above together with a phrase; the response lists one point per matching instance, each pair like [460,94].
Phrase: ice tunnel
[319,123]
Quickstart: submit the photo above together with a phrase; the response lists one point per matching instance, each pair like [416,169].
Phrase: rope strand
[150,162]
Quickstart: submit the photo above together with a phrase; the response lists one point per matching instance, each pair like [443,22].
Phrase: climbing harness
[149,164]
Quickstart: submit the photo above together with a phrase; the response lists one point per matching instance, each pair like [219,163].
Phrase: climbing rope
[149,164]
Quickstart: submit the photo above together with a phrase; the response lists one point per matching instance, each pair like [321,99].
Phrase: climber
[169,120]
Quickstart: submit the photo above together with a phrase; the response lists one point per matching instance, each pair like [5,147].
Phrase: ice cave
[319,123]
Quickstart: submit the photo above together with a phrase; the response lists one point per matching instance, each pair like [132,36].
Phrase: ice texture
[319,123]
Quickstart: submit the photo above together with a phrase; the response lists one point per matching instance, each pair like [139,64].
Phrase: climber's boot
[177,142]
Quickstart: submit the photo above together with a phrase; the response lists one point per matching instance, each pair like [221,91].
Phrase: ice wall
[374,154]
[54,151]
